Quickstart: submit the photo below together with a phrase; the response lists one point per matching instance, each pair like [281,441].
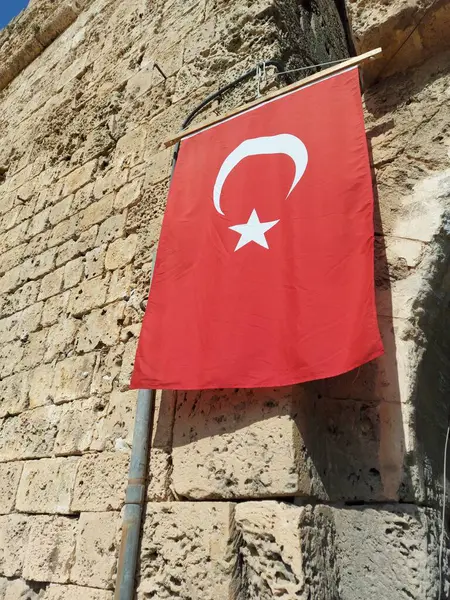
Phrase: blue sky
[9,9]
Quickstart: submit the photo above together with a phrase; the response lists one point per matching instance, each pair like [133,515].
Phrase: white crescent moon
[284,143]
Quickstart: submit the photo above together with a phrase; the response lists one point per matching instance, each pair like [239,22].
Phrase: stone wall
[329,490]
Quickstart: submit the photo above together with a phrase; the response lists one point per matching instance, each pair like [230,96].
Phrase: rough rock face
[329,490]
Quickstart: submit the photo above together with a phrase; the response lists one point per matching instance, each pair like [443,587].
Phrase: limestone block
[241,443]
[51,284]
[10,355]
[74,592]
[38,244]
[14,530]
[74,248]
[409,251]
[73,378]
[97,212]
[141,82]
[9,481]
[186,551]
[76,427]
[159,166]
[34,349]
[11,589]
[130,147]
[121,284]
[126,370]
[14,394]
[83,197]
[60,211]
[88,295]
[286,551]
[61,339]
[12,279]
[13,237]
[95,262]
[80,177]
[170,58]
[387,551]
[101,481]
[7,201]
[121,252]
[114,429]
[73,272]
[110,229]
[100,328]
[107,369]
[40,265]
[20,178]
[29,435]
[39,222]
[22,297]
[12,257]
[424,27]
[8,329]
[129,194]
[111,181]
[64,230]
[54,309]
[96,551]
[41,388]
[50,550]
[199,40]
[46,486]
[30,318]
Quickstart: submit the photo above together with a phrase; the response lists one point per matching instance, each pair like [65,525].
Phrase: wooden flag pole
[351,62]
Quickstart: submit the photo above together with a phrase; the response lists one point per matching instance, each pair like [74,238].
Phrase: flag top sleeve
[264,270]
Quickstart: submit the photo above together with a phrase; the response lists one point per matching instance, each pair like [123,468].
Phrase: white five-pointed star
[253,231]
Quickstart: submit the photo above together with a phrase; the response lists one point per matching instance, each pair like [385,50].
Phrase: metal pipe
[135,494]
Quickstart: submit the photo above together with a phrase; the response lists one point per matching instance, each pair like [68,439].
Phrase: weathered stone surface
[14,531]
[73,378]
[11,589]
[121,252]
[14,394]
[50,550]
[96,551]
[76,427]
[114,429]
[79,178]
[187,552]
[29,435]
[46,486]
[90,294]
[397,552]
[237,444]
[74,592]
[100,328]
[100,482]
[286,551]
[9,482]
[41,380]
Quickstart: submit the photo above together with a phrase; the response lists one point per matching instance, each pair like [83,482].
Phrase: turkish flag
[264,270]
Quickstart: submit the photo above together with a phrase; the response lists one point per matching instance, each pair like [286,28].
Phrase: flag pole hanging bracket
[279,66]
[185,131]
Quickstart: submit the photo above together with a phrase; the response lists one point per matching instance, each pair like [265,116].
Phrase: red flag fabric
[264,270]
